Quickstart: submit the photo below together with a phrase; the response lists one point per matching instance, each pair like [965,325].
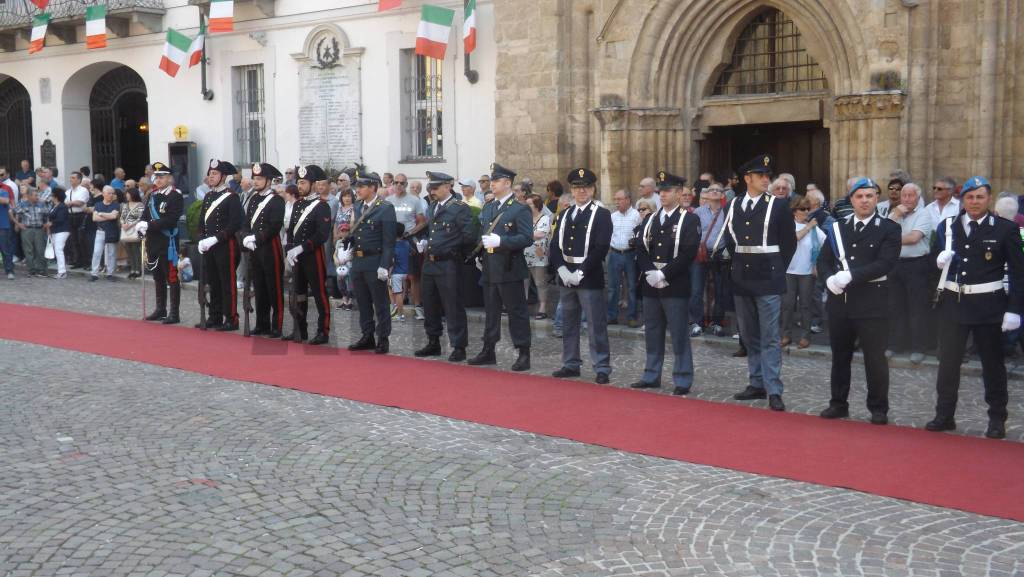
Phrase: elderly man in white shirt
[77,198]
[909,290]
[944,204]
[648,190]
[622,259]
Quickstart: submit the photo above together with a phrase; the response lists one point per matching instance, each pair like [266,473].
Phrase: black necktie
[973,225]
[859,227]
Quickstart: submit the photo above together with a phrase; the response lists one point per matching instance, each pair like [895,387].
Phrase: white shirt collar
[580,209]
[668,213]
[967,219]
[866,220]
[503,199]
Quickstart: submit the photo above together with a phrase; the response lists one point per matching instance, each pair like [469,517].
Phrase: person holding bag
[130,217]
[59,228]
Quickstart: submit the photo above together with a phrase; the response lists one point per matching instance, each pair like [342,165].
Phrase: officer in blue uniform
[451,234]
[159,229]
[577,253]
[261,235]
[371,250]
[308,230]
[762,239]
[220,219]
[975,250]
[862,250]
[667,245]
[507,228]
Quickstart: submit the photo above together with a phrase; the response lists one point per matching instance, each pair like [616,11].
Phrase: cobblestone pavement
[110,468]
[718,375]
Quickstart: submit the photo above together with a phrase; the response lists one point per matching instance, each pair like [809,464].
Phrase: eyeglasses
[801,209]
[940,188]
[894,188]
[643,210]
[401,182]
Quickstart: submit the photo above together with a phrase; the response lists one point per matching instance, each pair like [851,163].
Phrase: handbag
[49,253]
[702,250]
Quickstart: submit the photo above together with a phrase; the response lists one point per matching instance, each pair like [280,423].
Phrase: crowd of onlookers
[89,224]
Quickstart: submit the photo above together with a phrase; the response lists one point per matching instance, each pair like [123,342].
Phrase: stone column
[865,136]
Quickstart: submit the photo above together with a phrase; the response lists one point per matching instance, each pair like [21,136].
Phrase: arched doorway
[119,122]
[15,124]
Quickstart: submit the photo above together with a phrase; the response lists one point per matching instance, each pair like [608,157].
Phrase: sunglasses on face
[401,182]
[644,210]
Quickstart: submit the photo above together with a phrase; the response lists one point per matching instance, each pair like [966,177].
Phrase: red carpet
[971,474]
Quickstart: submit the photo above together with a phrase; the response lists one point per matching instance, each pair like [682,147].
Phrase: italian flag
[435,28]
[195,51]
[41,4]
[175,52]
[96,27]
[222,14]
[469,27]
[39,24]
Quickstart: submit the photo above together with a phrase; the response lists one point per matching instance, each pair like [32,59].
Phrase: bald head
[647,187]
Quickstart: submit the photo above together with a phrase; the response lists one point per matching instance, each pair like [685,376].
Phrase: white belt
[880,279]
[660,265]
[740,249]
[975,289]
[574,259]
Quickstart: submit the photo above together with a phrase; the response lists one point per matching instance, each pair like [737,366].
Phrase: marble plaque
[329,122]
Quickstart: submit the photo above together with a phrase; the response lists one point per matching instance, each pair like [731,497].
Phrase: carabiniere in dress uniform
[220,219]
[261,230]
[309,229]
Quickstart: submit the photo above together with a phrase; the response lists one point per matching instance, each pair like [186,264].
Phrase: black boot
[458,355]
[161,305]
[383,346]
[299,331]
[319,339]
[523,362]
[172,317]
[433,348]
[365,343]
[484,357]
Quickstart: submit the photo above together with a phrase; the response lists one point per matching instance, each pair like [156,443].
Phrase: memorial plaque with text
[329,121]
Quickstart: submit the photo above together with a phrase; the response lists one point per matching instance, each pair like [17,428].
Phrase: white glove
[833,285]
[576,278]
[661,285]
[344,255]
[1011,322]
[564,274]
[843,279]
[141,228]
[249,242]
[342,271]
[421,246]
[382,274]
[479,264]
[207,243]
[293,255]
[491,241]
[945,257]
[655,277]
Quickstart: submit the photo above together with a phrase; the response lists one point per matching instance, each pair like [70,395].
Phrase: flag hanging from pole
[41,4]
[434,31]
[96,27]
[39,24]
[383,5]
[222,16]
[175,51]
[469,27]
[195,51]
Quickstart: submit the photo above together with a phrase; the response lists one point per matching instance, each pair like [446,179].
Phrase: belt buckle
[490,251]
[359,254]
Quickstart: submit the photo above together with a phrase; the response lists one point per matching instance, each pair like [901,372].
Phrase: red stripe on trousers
[321,273]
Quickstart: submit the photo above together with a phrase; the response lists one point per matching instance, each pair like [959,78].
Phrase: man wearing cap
[371,251]
[973,250]
[577,252]
[862,250]
[309,229]
[507,228]
[450,236]
[220,219]
[159,228]
[762,239]
[467,188]
[668,243]
[261,230]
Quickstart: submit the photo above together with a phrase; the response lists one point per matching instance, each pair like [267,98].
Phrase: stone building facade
[834,88]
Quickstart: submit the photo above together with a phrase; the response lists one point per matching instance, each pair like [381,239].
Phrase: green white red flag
[222,16]
[38,39]
[469,27]
[175,52]
[434,31]
[41,4]
[96,27]
[195,50]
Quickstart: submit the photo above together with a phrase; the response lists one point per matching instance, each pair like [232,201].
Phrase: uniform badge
[767,160]
[977,182]
[163,208]
[988,256]
[302,172]
[582,172]
[257,169]
[661,176]
[509,225]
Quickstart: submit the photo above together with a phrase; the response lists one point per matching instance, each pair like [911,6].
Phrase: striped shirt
[32,215]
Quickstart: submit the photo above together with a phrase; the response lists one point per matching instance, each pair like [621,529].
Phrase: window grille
[250,122]
[423,117]
[770,58]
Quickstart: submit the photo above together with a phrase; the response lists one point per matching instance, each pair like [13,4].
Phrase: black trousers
[165,274]
[909,303]
[74,250]
[268,283]
[308,277]
[221,264]
[442,296]
[988,340]
[512,295]
[372,300]
[873,334]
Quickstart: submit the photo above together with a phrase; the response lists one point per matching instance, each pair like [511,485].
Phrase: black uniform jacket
[871,255]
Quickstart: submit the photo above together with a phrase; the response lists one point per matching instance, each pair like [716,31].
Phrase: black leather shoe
[458,355]
[274,334]
[879,419]
[366,343]
[227,327]
[565,373]
[750,394]
[939,424]
[295,336]
[833,412]
[319,339]
[602,379]
[484,357]
[433,349]
[171,320]
[643,385]
[157,315]
[775,403]
[996,430]
[210,325]
[681,391]
[258,331]
[741,352]
[523,362]
[383,346]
